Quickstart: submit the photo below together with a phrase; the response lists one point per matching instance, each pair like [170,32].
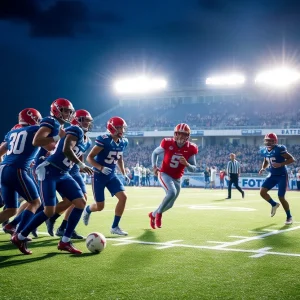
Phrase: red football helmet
[83,119]
[270,140]
[116,126]
[17,126]
[62,109]
[29,116]
[182,133]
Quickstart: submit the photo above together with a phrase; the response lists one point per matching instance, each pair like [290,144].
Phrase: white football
[95,242]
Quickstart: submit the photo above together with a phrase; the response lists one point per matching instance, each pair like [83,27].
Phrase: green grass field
[208,248]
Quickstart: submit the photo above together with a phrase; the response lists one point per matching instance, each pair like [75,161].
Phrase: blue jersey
[274,155]
[20,151]
[54,125]
[58,158]
[111,152]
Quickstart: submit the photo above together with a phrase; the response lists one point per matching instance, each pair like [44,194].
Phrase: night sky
[74,49]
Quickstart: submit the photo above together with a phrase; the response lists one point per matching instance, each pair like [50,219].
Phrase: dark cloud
[16,10]
[64,18]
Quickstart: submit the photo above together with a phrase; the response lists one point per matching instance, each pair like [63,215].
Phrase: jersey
[170,164]
[20,151]
[54,125]
[58,158]
[111,152]
[274,155]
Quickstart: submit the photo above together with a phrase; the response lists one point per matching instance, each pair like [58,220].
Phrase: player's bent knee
[79,203]
[100,206]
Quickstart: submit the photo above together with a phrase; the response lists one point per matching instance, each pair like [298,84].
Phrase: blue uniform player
[104,156]
[14,177]
[276,157]
[47,136]
[78,120]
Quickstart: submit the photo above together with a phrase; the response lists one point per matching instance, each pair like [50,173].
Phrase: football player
[53,174]
[276,158]
[81,116]
[14,168]
[178,154]
[104,156]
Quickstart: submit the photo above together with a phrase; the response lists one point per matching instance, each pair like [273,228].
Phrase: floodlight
[141,84]
[279,77]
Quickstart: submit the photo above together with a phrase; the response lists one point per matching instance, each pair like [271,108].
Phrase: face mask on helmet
[83,119]
[116,126]
[62,109]
[181,134]
[270,140]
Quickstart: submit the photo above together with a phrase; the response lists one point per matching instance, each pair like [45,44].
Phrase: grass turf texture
[259,262]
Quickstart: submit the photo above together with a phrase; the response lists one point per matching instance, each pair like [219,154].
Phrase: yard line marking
[209,248]
[238,236]
[263,252]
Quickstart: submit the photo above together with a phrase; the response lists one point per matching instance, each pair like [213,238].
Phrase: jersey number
[69,163]
[17,142]
[175,161]
[113,157]
[271,160]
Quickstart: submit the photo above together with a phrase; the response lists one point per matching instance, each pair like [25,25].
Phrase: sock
[73,221]
[288,214]
[35,222]
[63,225]
[65,239]
[27,216]
[17,219]
[116,221]
[54,217]
[272,202]
[88,209]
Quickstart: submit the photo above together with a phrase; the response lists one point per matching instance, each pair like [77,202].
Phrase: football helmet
[29,116]
[182,133]
[116,126]
[17,126]
[62,109]
[270,140]
[83,119]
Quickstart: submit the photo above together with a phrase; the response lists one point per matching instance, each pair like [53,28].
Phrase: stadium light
[279,78]
[139,85]
[229,80]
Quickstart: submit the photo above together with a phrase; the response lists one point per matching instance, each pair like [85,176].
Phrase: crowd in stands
[208,115]
[208,156]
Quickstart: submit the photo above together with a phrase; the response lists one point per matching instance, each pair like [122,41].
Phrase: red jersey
[222,175]
[170,164]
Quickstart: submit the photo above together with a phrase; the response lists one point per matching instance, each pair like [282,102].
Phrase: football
[95,242]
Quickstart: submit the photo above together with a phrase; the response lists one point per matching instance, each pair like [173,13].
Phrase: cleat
[76,236]
[68,247]
[243,194]
[9,229]
[273,209]
[86,217]
[21,244]
[227,198]
[289,221]
[50,227]
[152,220]
[158,220]
[5,222]
[34,233]
[60,232]
[117,230]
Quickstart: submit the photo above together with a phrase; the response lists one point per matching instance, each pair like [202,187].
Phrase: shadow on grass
[6,263]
